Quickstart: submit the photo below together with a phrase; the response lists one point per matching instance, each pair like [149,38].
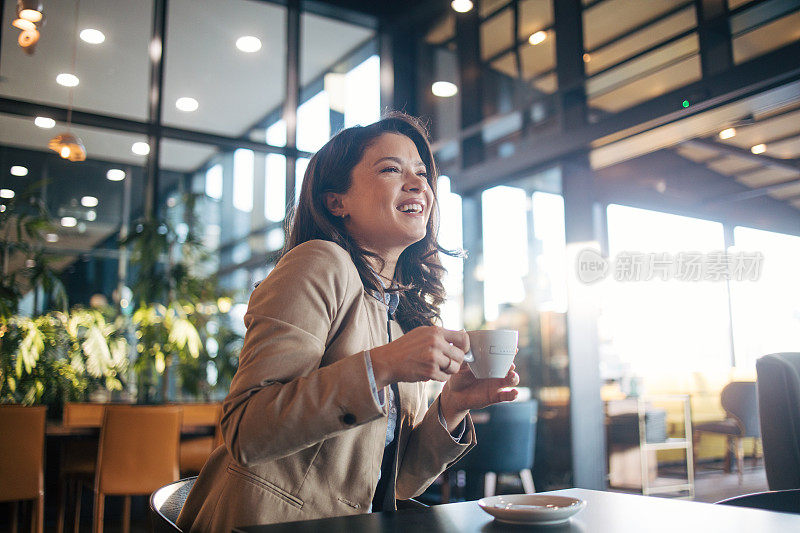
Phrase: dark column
[468,43]
[157,51]
[586,407]
[292,99]
[714,32]
[399,69]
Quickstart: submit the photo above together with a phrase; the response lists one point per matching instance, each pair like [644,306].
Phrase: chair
[779,400]
[740,403]
[784,501]
[138,453]
[506,434]
[196,450]
[166,504]
[22,460]
[78,457]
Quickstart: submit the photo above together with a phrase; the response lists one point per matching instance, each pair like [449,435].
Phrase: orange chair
[138,453]
[78,457]
[196,450]
[22,460]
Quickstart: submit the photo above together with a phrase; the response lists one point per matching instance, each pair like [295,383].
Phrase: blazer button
[349,419]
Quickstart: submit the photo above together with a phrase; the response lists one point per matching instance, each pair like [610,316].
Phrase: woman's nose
[415,183]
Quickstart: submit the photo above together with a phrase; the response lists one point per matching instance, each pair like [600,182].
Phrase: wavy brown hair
[419,271]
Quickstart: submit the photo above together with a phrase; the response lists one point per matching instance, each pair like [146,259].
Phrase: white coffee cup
[491,352]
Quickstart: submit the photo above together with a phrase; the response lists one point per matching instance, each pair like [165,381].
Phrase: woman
[327,414]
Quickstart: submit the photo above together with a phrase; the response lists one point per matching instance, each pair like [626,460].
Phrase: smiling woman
[328,414]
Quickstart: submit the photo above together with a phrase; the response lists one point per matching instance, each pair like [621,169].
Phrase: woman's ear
[333,202]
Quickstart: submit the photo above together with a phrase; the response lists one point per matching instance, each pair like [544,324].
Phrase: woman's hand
[463,391]
[424,353]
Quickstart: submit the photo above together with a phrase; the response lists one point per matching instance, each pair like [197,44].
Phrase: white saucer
[540,509]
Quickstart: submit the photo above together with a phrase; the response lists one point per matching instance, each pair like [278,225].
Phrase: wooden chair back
[21,452]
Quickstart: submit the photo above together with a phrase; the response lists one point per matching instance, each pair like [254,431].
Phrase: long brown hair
[419,271]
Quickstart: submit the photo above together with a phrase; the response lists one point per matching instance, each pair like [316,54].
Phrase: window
[243,167]
[451,238]
[214,182]
[766,311]
[363,93]
[275,201]
[658,326]
[505,248]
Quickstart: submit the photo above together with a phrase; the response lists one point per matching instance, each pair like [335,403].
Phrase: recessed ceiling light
[186,103]
[6,193]
[67,80]
[461,6]
[19,171]
[24,25]
[33,15]
[2,208]
[115,174]
[51,237]
[759,149]
[91,215]
[44,122]
[92,36]
[444,89]
[69,222]
[727,133]
[587,58]
[248,44]
[140,148]
[89,201]
[538,37]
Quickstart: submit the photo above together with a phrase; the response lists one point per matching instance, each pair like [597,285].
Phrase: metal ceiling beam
[753,193]
[23,108]
[768,71]
[783,164]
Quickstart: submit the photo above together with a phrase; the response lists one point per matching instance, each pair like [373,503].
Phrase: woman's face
[389,201]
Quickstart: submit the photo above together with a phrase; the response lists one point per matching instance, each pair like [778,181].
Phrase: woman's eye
[422,174]
[391,169]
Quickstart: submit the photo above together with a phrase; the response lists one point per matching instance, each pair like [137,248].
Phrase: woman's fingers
[460,339]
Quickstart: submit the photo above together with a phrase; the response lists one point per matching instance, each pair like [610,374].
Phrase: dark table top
[605,512]
[59,430]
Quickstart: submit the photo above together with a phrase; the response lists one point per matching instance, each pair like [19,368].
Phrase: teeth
[410,208]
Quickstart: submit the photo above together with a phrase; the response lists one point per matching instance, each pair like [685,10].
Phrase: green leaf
[98,356]
[183,334]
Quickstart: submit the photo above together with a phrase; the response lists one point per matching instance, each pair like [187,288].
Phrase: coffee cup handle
[468,357]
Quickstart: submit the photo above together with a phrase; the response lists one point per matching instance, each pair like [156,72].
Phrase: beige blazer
[304,435]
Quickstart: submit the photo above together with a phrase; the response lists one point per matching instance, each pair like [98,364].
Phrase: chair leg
[77,493]
[489,484]
[527,481]
[126,514]
[15,517]
[695,445]
[99,508]
[740,458]
[62,504]
[38,509]
[728,452]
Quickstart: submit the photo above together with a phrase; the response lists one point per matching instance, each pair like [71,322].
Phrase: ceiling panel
[113,75]
[766,176]
[789,149]
[614,17]
[697,153]
[766,38]
[732,165]
[787,192]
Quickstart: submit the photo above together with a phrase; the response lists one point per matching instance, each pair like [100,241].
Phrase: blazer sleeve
[430,451]
[281,400]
